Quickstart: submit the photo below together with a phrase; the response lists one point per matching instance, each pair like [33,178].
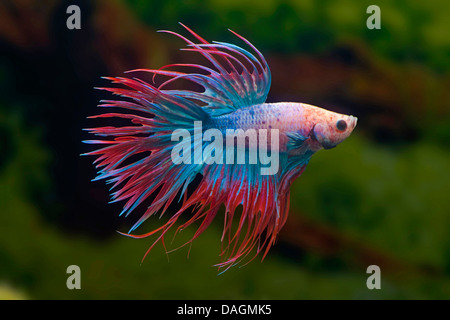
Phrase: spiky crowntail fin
[237,79]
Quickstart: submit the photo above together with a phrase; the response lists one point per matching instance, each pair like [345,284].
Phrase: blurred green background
[381,197]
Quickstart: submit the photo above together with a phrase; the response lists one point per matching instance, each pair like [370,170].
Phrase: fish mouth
[353,121]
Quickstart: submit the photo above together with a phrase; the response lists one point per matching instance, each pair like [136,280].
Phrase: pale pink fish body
[317,124]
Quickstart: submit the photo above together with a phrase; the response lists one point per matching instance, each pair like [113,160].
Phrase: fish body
[284,116]
[247,151]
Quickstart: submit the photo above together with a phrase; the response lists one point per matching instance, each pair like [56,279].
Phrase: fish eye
[341,125]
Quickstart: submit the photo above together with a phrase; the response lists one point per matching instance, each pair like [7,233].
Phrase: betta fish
[175,135]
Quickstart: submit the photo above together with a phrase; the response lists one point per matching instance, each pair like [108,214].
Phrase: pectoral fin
[296,140]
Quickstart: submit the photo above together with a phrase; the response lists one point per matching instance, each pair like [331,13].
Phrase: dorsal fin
[235,79]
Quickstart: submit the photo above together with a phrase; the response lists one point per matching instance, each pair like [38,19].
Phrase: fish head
[332,128]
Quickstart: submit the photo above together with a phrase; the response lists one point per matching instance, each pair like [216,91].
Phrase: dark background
[381,197]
